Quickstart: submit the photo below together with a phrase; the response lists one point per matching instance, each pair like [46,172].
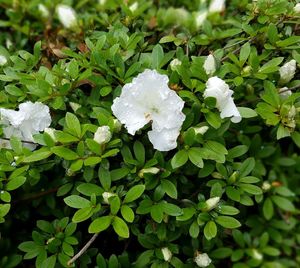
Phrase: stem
[84,249]
[8,139]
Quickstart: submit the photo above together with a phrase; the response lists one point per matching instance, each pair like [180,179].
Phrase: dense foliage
[229,190]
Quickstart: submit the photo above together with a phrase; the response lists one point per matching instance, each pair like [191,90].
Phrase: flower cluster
[30,119]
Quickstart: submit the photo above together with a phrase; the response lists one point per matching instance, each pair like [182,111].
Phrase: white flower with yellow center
[217,88]
[29,120]
[67,16]
[149,99]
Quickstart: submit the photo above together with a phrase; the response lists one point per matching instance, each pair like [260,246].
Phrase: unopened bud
[151,170]
[202,260]
[211,203]
[167,254]
[106,196]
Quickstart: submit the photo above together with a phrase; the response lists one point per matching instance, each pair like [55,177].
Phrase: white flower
[134,6]
[106,196]
[297,8]
[3,60]
[167,254]
[66,15]
[217,88]
[202,260]
[102,135]
[200,17]
[43,11]
[210,65]
[149,99]
[284,92]
[29,120]
[174,63]
[216,6]
[287,71]
[212,202]
[201,130]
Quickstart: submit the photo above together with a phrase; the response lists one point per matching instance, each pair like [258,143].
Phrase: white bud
[216,6]
[102,2]
[102,135]
[43,11]
[106,196]
[8,43]
[212,202]
[257,255]
[297,8]
[266,186]
[75,106]
[210,65]
[174,63]
[202,260]
[67,16]
[287,71]
[3,60]
[284,92]
[292,112]
[201,130]
[134,6]
[200,18]
[167,254]
[151,170]
[117,125]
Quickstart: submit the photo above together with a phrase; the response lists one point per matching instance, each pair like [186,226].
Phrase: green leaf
[283,203]
[237,151]
[115,203]
[73,124]
[179,159]
[194,229]
[228,222]
[104,177]
[89,189]
[15,183]
[210,230]
[127,213]
[82,214]
[38,155]
[139,152]
[65,153]
[195,157]
[246,167]
[120,227]
[213,119]
[100,224]
[268,209]
[228,210]
[49,262]
[169,188]
[171,209]
[134,193]
[271,66]
[233,194]
[251,189]
[245,52]
[247,112]
[76,201]
[157,56]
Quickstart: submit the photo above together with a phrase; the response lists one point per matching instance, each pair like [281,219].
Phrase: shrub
[173,139]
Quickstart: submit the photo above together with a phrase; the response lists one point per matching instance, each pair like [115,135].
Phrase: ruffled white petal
[164,140]
[287,71]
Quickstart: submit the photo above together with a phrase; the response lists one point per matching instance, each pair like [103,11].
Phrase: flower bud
[216,6]
[256,254]
[174,63]
[246,70]
[3,60]
[211,203]
[202,260]
[151,170]
[134,7]
[75,106]
[102,135]
[210,65]
[201,130]
[43,11]
[167,254]
[266,186]
[66,16]
[297,8]
[287,71]
[106,196]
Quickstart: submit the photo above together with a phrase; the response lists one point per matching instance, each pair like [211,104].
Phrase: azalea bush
[149,133]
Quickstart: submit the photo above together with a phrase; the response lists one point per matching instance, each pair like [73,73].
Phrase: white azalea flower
[67,16]
[216,6]
[210,65]
[217,88]
[200,17]
[149,99]
[212,202]
[102,135]
[297,8]
[43,11]
[287,71]
[29,120]
[174,63]
[167,254]
[202,260]
[3,60]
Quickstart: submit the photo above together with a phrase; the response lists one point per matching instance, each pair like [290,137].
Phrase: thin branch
[36,195]
[84,249]
[8,139]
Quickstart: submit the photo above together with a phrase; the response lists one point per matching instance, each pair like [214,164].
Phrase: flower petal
[164,140]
